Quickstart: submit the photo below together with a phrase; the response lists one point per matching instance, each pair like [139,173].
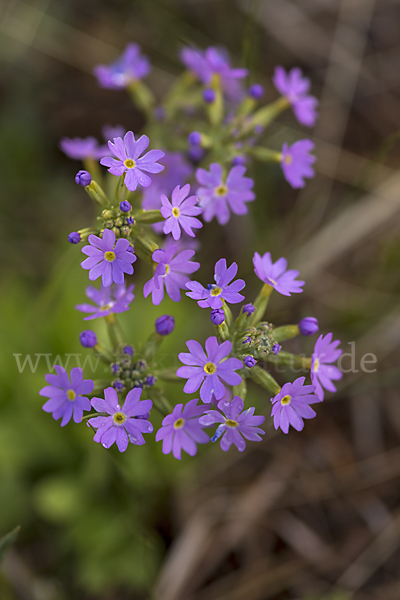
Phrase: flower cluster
[157,219]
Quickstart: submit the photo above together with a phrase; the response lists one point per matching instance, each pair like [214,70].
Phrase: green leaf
[7,541]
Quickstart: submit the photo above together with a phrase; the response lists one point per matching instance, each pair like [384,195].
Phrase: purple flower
[296,162]
[222,289]
[217,196]
[214,64]
[194,138]
[256,91]
[83,148]
[248,309]
[171,271]
[88,338]
[234,424]
[208,370]
[124,424]
[165,325]
[249,361]
[128,151]
[291,405]
[182,430]
[209,95]
[294,87]
[108,259]
[308,326]
[67,398]
[217,316]
[125,206]
[111,299]
[83,178]
[323,373]
[181,212]
[275,274]
[129,67]
[74,237]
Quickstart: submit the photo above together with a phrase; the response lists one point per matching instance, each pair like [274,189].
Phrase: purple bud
[118,385]
[128,350]
[150,380]
[217,316]
[308,326]
[165,325]
[74,237]
[247,340]
[196,154]
[209,96]
[115,368]
[130,249]
[276,348]
[248,309]
[159,113]
[238,160]
[258,129]
[130,220]
[249,361]
[88,338]
[125,206]
[256,91]
[83,178]
[194,138]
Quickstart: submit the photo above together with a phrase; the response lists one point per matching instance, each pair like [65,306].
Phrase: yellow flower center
[166,269]
[316,365]
[210,368]
[119,418]
[231,423]
[286,400]
[221,190]
[175,211]
[179,423]
[129,163]
[109,255]
[71,395]
[288,159]
[216,291]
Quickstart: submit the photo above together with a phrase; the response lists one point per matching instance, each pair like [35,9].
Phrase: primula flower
[128,161]
[222,289]
[295,88]
[123,425]
[296,162]
[291,405]
[214,64]
[67,398]
[276,275]
[180,212]
[112,299]
[322,373]
[207,370]
[218,196]
[234,424]
[171,270]
[113,131]
[129,67]
[83,148]
[108,259]
[182,430]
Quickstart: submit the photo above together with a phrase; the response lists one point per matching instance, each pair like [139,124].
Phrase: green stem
[287,332]
[261,303]
[241,389]
[265,115]
[168,375]
[93,415]
[291,360]
[222,332]
[148,216]
[264,379]
[114,331]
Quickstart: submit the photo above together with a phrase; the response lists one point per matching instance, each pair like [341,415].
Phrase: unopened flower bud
[125,206]
[217,316]
[165,325]
[238,160]
[308,326]
[150,380]
[256,91]
[194,138]
[83,178]
[276,348]
[209,96]
[88,338]
[249,361]
[128,350]
[248,309]
[74,237]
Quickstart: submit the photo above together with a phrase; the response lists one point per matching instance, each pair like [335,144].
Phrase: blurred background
[311,515]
